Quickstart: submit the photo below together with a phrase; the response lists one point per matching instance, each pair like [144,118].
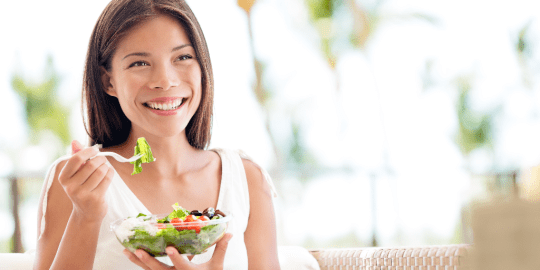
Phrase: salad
[142,148]
[189,232]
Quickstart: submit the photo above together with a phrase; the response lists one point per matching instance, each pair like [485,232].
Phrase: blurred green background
[380,121]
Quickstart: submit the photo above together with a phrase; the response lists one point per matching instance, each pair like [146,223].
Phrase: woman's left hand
[144,260]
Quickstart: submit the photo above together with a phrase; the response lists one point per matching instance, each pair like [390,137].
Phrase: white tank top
[233,198]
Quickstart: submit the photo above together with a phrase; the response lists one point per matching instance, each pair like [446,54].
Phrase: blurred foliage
[366,21]
[293,157]
[321,13]
[5,245]
[299,158]
[262,93]
[320,9]
[43,108]
[522,44]
[474,128]
[43,112]
[524,52]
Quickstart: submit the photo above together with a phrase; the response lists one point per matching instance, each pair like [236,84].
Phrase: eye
[138,64]
[184,57]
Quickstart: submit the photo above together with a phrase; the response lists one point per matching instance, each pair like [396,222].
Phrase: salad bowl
[190,234]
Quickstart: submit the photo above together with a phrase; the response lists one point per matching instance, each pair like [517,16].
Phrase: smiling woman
[148,74]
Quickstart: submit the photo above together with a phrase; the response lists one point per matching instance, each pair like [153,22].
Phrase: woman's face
[156,77]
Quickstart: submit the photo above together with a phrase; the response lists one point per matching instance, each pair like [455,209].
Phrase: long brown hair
[106,122]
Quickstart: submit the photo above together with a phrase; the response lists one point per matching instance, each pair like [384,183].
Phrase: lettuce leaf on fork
[142,148]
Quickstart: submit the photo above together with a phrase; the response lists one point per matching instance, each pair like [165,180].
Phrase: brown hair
[106,122]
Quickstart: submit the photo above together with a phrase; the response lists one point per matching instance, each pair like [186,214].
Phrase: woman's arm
[75,209]
[260,235]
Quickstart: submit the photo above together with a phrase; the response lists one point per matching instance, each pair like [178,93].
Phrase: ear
[106,81]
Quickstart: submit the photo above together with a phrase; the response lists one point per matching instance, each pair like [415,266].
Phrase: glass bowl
[188,238]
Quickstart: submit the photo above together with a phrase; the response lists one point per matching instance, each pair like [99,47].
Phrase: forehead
[161,31]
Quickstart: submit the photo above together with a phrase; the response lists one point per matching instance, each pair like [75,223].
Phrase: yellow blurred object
[530,184]
[246,4]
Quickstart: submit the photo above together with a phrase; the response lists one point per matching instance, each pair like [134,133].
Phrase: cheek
[126,87]
[196,80]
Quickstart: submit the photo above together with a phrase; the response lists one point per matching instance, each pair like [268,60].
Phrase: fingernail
[75,147]
[139,254]
[169,251]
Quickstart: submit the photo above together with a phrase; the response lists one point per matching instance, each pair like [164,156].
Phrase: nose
[163,76]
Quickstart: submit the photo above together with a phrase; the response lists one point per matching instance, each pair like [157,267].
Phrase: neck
[174,155]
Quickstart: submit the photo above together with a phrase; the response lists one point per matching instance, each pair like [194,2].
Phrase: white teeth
[165,106]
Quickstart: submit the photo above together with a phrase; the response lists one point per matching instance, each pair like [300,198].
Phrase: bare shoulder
[256,182]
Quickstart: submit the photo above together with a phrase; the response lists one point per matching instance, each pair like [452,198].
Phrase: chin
[160,131]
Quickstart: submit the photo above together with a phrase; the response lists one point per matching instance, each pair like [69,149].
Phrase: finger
[76,146]
[134,259]
[89,168]
[81,176]
[96,177]
[150,261]
[221,249]
[74,163]
[179,261]
[106,182]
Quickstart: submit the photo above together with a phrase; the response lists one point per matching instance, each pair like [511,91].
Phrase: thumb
[221,249]
[76,146]
[179,261]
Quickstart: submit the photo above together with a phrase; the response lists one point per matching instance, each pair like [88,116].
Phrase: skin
[154,60]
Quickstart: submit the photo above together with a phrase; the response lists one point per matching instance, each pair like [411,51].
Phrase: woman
[148,74]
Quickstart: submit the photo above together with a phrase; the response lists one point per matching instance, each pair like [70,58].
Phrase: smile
[165,106]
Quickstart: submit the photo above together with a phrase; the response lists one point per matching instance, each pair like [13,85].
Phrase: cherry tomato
[205,220]
[176,220]
[177,223]
[196,225]
[190,218]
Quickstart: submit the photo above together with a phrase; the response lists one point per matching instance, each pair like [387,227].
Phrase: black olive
[209,212]
[218,212]
[196,213]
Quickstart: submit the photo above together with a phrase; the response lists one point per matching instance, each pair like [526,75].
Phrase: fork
[118,157]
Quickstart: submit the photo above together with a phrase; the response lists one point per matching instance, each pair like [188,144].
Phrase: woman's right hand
[85,182]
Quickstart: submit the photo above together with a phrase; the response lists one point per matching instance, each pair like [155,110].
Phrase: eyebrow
[147,54]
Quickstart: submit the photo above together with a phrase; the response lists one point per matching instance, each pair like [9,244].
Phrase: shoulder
[257,180]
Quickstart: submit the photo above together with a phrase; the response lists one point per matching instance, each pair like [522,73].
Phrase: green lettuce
[142,148]
[179,212]
[143,240]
